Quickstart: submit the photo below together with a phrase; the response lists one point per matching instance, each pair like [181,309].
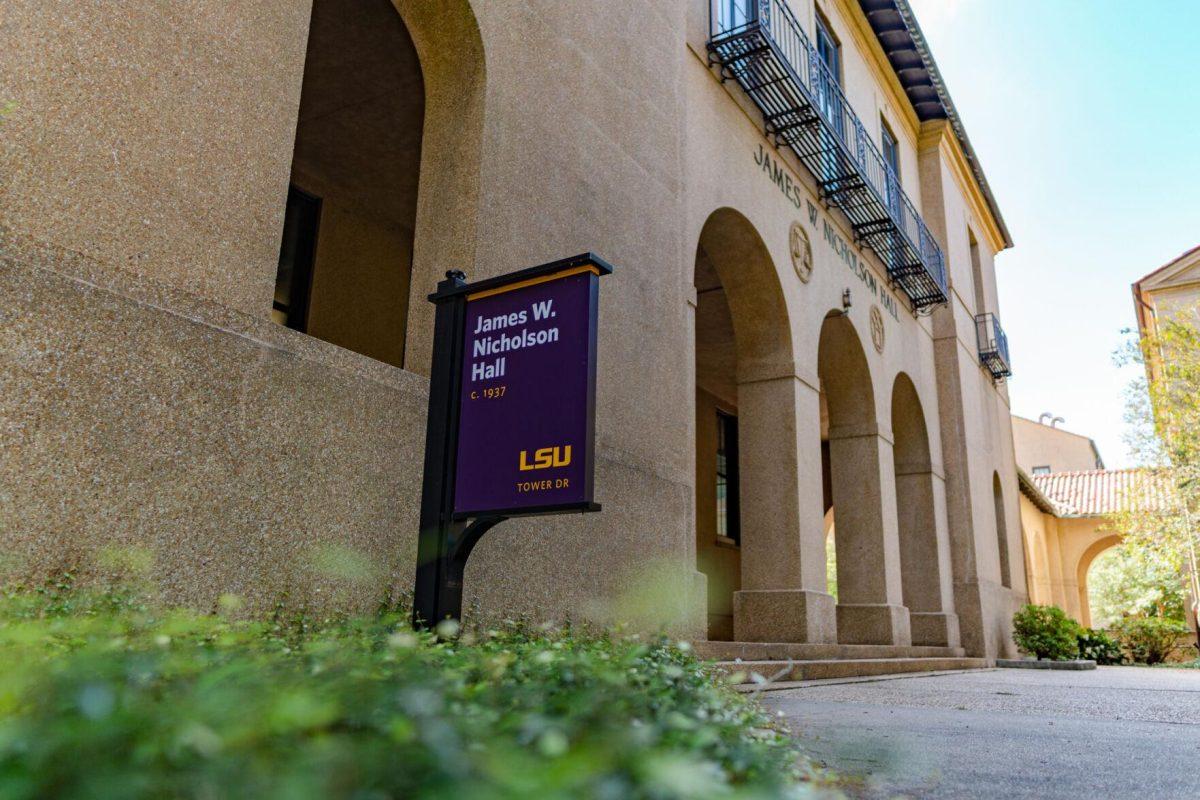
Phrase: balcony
[761,45]
[993,346]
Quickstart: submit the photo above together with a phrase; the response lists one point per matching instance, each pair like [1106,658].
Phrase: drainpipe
[1193,574]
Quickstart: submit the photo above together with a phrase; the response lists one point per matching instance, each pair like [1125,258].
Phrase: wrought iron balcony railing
[761,45]
[993,346]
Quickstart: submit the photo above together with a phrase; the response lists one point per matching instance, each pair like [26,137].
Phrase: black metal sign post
[555,345]
[433,599]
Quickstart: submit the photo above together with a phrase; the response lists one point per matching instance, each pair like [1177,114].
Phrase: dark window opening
[728,501]
[1042,470]
[296,254]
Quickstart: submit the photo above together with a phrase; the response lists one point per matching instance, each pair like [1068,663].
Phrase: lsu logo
[546,457]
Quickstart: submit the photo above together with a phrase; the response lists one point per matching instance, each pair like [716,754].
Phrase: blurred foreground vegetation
[103,695]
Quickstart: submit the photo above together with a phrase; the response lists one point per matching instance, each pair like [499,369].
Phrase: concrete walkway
[1114,732]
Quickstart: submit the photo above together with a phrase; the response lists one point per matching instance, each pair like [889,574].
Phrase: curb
[1032,663]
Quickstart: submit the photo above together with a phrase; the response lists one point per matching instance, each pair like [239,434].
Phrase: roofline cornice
[974,169]
[1035,495]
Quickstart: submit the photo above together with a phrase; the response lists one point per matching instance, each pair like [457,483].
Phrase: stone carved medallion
[802,257]
[877,328]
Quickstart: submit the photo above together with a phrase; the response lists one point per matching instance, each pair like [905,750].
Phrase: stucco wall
[1040,445]
[153,138]
[1063,551]
[243,457]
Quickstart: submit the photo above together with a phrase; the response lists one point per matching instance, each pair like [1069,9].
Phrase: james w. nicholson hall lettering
[504,343]
[792,191]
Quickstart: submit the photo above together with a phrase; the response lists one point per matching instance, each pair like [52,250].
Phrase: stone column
[925,556]
[870,606]
[783,596]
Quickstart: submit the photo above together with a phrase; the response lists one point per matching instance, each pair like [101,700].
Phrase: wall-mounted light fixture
[846,301]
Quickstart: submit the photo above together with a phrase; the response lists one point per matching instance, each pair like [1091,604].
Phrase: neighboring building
[1065,521]
[221,223]
[1171,289]
[1170,292]
[1042,449]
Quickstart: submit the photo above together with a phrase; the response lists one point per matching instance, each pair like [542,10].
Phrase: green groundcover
[104,696]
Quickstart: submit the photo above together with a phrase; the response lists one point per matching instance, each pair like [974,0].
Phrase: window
[825,86]
[891,150]
[728,505]
[1042,470]
[294,278]
[1001,531]
[828,49]
[732,14]
[976,274]
[891,157]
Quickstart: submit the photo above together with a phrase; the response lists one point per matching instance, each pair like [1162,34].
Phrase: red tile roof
[1100,492]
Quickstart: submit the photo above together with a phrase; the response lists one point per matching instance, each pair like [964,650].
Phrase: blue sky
[1086,117]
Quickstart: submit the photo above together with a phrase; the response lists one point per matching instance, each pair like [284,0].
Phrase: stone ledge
[795,671]
[1033,663]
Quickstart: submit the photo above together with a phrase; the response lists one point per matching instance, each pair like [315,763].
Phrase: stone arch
[1037,575]
[858,461]
[447,39]
[1081,573]
[732,252]
[748,394]
[383,190]
[1001,531]
[922,566]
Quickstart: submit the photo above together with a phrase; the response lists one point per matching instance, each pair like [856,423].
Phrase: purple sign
[525,424]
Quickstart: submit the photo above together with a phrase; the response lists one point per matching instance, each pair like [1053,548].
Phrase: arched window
[1001,531]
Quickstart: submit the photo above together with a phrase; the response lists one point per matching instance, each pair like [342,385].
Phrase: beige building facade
[221,221]
[1043,448]
[1169,291]
[1065,525]
[1067,522]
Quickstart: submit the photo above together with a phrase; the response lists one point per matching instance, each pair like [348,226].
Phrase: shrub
[1149,640]
[1098,646]
[113,699]
[1046,632]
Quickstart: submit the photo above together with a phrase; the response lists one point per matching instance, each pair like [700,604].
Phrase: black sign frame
[446,538]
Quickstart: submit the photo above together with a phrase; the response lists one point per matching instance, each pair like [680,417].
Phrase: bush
[1150,640]
[1098,646]
[102,698]
[1046,632]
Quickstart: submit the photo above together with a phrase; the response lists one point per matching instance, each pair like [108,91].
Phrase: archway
[346,255]
[856,458]
[1086,559]
[1037,570]
[384,184]
[1001,531]
[925,591]
[754,544]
